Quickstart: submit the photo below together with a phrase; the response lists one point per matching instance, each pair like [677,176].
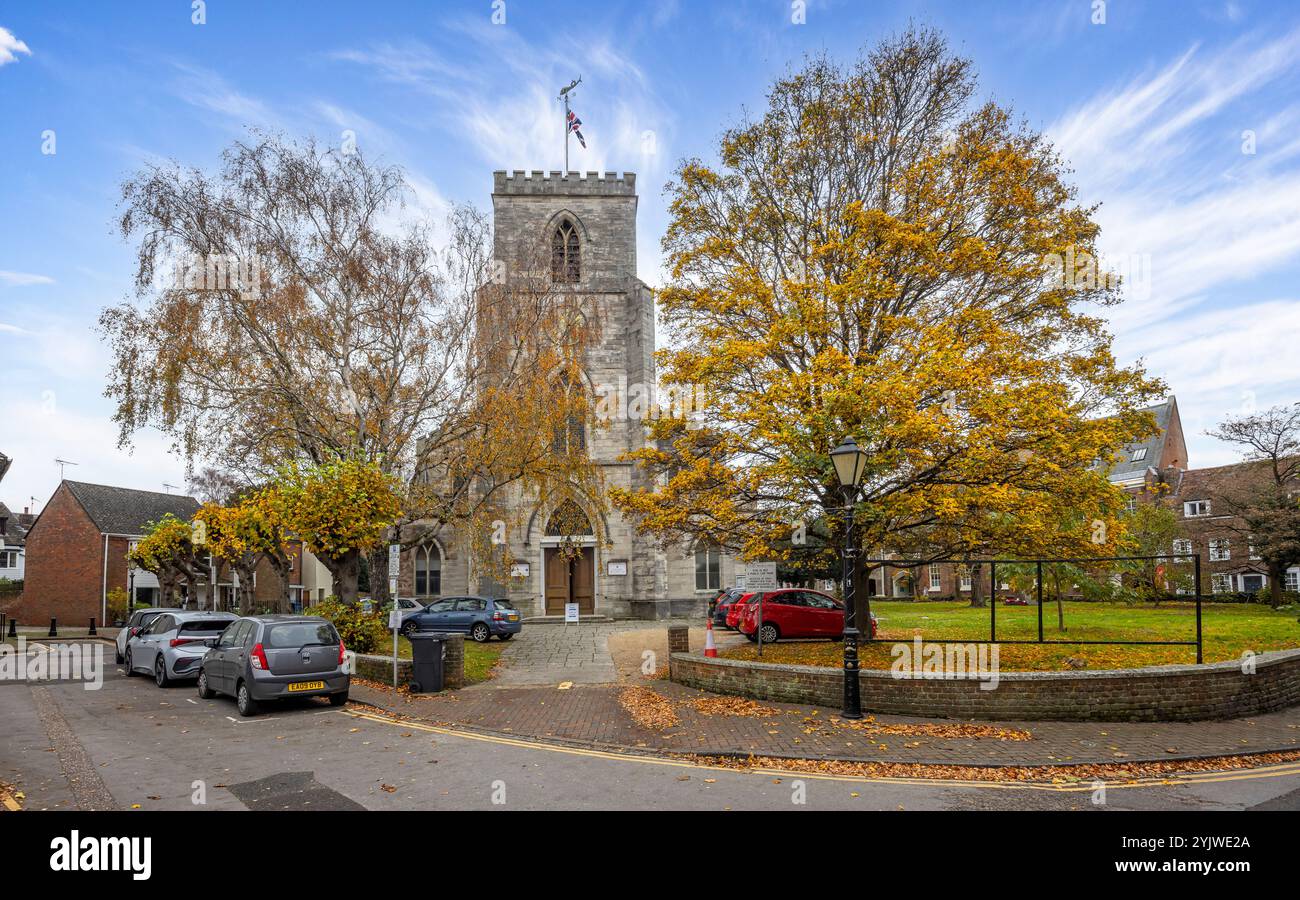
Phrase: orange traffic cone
[709,648]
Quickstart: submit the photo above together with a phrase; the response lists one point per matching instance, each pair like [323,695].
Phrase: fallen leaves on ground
[1106,772]
[928,729]
[648,708]
[732,706]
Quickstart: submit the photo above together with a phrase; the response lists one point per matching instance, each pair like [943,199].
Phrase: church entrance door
[570,580]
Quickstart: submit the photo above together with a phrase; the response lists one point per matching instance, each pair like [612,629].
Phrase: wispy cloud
[23,279]
[10,47]
[1169,157]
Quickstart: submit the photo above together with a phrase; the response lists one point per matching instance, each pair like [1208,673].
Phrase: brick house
[1228,562]
[77,546]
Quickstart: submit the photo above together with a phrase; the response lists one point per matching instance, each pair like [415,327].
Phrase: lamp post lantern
[850,464]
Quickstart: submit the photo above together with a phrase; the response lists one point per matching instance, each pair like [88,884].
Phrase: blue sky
[1150,107]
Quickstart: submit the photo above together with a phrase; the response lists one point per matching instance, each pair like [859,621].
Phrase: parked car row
[255,659]
[786,613]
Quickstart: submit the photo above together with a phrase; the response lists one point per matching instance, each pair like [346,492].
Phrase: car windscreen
[205,626]
[503,604]
[300,634]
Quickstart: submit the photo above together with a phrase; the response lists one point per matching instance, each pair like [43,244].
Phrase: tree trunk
[1060,607]
[379,575]
[976,587]
[1276,577]
[345,571]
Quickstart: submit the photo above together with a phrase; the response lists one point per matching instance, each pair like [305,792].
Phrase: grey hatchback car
[262,658]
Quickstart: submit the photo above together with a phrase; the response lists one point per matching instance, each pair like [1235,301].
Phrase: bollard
[13,627]
[92,625]
[54,628]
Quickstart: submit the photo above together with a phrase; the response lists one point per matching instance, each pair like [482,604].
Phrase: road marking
[191,700]
[1083,785]
[9,802]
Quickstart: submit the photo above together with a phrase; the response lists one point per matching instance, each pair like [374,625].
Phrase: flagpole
[564,95]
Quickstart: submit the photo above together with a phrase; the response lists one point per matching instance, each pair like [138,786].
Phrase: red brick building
[76,549]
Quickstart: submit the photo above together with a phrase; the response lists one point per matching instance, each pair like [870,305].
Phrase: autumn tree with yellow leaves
[875,257]
[175,553]
[340,510]
[247,532]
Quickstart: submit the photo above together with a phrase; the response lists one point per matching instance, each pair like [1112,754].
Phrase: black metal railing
[1090,563]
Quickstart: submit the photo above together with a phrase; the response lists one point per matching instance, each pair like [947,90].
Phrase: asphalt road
[132,745]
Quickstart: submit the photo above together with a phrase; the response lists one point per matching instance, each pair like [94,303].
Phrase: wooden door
[557,581]
[582,581]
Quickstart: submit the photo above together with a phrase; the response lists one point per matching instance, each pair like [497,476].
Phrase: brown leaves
[647,708]
[732,706]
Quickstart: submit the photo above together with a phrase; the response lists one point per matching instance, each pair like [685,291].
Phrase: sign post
[760,577]
[394,614]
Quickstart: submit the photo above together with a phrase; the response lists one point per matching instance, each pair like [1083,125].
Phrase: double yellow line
[1084,785]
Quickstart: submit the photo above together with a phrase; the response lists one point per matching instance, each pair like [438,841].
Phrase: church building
[589,222]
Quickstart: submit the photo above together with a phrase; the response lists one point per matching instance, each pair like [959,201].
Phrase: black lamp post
[850,463]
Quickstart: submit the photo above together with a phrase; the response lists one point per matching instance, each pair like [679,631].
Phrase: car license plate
[306,686]
[512,617]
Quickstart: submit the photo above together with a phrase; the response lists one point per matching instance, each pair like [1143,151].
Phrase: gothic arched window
[566,258]
[428,571]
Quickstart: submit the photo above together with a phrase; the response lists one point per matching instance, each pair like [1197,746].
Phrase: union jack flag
[574,124]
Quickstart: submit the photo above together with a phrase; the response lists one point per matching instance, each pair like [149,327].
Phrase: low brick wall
[380,668]
[1160,693]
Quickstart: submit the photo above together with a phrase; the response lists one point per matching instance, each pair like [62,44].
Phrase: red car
[796,613]
[736,609]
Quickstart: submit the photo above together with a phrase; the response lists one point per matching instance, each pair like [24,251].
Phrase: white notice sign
[570,613]
[760,576]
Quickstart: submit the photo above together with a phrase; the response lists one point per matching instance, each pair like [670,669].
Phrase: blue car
[479,617]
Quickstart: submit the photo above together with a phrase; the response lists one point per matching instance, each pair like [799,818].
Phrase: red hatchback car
[737,609]
[795,613]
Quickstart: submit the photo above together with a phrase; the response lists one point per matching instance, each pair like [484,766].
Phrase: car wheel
[118,658]
[770,633]
[409,628]
[339,699]
[480,632]
[130,672]
[505,637]
[752,638]
[160,672]
[244,701]
[205,692]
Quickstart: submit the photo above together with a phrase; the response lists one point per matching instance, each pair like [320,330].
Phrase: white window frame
[712,569]
[1196,509]
[1139,454]
[936,578]
[1291,580]
[965,578]
[1182,548]
[1220,583]
[1220,550]
[1131,503]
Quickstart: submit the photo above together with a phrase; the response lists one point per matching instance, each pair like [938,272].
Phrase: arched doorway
[569,560]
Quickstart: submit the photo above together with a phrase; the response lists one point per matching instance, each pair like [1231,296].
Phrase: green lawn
[1229,629]
[479,658]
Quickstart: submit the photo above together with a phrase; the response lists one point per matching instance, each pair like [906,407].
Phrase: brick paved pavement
[592,715]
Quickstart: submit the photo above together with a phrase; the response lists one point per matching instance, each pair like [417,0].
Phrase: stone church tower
[591,222]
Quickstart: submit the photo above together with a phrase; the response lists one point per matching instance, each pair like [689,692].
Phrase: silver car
[139,620]
[173,644]
[262,658]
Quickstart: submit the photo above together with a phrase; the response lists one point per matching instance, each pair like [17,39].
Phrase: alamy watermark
[81,661]
[638,401]
[949,662]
